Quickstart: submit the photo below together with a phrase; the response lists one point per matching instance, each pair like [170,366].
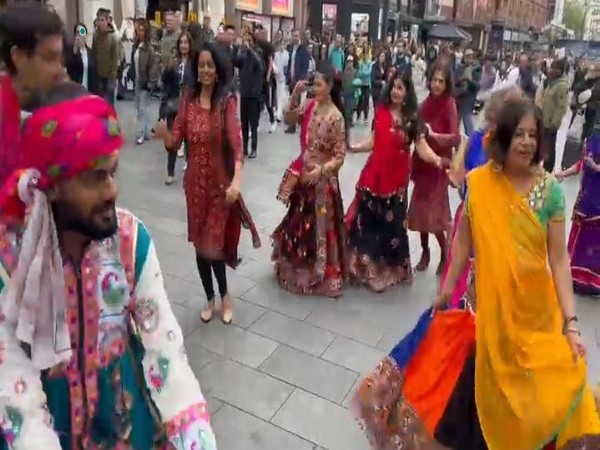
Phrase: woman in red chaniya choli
[429,208]
[308,244]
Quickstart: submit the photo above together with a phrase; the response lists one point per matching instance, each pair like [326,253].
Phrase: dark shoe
[424,261]
[252,154]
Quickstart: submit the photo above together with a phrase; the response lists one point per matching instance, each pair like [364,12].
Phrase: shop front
[271,15]
[347,17]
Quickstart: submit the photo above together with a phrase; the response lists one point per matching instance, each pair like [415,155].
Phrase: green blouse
[546,198]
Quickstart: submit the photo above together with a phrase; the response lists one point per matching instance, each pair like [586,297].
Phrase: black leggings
[206,268]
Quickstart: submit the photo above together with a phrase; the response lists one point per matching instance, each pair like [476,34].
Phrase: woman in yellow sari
[531,388]
[510,375]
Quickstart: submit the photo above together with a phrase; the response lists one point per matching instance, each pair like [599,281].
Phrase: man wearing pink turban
[93,355]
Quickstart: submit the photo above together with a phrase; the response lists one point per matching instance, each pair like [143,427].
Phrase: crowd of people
[92,355]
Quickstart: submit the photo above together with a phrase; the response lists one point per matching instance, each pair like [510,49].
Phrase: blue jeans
[466,116]
[107,90]
[142,100]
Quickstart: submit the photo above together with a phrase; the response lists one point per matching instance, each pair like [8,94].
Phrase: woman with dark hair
[470,155]
[429,210]
[80,66]
[308,244]
[207,120]
[379,254]
[175,79]
[495,385]
[379,75]
[145,71]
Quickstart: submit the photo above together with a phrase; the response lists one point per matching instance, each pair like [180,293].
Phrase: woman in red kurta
[379,254]
[207,121]
[429,210]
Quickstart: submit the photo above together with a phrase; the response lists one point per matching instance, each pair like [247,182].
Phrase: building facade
[591,28]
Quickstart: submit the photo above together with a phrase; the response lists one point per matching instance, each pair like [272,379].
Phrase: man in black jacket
[251,74]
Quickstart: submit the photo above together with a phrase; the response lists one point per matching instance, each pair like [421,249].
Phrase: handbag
[576,128]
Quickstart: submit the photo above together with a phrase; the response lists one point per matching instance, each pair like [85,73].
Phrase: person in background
[32,49]
[251,71]
[402,58]
[281,61]
[227,44]
[364,74]
[79,65]
[467,87]
[146,73]
[555,103]
[207,34]
[379,74]
[431,55]
[266,51]
[298,67]
[336,54]
[176,83]
[168,41]
[349,91]
[525,80]
[105,56]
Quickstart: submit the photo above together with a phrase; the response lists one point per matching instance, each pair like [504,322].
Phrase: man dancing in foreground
[93,356]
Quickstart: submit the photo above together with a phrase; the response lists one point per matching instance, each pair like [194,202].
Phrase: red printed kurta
[206,178]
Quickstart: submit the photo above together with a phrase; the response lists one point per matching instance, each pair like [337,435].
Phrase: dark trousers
[268,97]
[291,86]
[106,90]
[549,149]
[363,102]
[249,115]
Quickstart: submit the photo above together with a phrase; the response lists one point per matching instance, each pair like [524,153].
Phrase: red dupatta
[294,170]
[10,128]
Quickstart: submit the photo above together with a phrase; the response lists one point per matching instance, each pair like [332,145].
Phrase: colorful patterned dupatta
[528,389]
[293,172]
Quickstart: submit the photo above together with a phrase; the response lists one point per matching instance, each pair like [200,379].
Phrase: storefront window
[252,21]
[329,18]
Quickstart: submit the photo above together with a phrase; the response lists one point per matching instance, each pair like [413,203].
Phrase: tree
[574,17]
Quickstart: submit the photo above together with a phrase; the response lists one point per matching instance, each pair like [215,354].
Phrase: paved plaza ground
[281,376]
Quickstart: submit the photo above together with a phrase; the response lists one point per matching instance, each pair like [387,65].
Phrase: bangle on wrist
[574,331]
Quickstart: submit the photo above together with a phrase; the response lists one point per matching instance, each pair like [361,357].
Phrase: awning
[449,32]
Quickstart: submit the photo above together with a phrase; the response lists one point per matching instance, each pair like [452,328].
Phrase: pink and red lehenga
[308,244]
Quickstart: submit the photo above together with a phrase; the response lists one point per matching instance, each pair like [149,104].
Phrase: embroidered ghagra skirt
[422,396]
[378,250]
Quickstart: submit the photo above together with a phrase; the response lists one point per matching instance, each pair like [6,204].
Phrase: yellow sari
[528,389]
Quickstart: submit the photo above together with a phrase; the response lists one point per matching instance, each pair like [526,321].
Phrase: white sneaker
[273,128]
[181,152]
[184,168]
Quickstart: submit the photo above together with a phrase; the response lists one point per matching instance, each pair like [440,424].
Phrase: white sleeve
[169,377]
[24,419]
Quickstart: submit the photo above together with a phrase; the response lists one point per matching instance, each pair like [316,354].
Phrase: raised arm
[169,378]
[294,110]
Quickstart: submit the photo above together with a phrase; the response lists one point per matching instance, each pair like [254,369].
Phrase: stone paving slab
[281,377]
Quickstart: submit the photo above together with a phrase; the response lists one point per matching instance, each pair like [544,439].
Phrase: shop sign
[249,5]
[282,7]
